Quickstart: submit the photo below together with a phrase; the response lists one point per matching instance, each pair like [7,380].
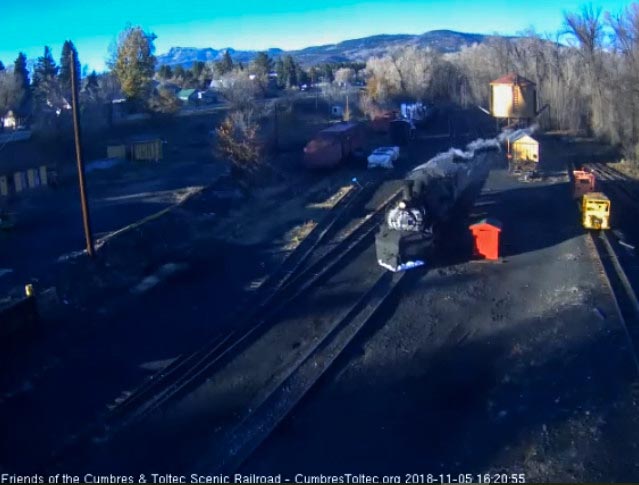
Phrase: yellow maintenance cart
[595,211]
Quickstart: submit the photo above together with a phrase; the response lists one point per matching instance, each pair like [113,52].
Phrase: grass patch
[332,200]
[296,235]
[628,168]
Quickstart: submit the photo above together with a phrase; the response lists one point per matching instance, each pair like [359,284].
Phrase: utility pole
[276,127]
[78,156]
[347,111]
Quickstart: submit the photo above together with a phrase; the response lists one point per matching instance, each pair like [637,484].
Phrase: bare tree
[239,90]
[238,140]
[587,29]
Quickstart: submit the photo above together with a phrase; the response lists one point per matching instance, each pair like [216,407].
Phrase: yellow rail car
[595,211]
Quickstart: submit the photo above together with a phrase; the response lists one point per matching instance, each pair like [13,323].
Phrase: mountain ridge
[350,50]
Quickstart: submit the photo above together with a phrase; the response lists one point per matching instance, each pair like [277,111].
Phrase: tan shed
[524,148]
[147,149]
[33,178]
[513,97]
[44,178]
[4,186]
[20,181]
[116,151]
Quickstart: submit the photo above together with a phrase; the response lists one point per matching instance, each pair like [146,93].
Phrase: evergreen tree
[179,71]
[134,62]
[290,72]
[165,72]
[197,69]
[1,66]
[92,86]
[45,79]
[21,78]
[64,77]
[281,73]
[301,75]
[262,64]
[224,65]
[327,73]
[21,72]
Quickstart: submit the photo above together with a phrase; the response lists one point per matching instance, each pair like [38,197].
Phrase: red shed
[486,236]
[333,145]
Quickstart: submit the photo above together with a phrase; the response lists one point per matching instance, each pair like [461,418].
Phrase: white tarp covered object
[383,157]
[414,111]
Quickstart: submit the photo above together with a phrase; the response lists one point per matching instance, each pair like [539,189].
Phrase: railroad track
[619,183]
[607,248]
[319,256]
[237,444]
[624,295]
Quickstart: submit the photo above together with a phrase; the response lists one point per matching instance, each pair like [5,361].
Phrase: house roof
[341,127]
[185,93]
[513,78]
[521,137]
[22,155]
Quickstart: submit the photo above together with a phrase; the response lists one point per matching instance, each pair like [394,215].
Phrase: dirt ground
[103,336]
[516,367]
[513,359]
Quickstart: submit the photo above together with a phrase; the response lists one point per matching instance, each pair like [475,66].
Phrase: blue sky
[93,25]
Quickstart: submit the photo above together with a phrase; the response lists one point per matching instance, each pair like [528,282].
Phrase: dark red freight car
[334,145]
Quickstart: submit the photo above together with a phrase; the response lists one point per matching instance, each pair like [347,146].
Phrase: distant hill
[348,50]
[188,55]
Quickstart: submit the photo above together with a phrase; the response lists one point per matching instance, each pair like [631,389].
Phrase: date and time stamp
[346,478]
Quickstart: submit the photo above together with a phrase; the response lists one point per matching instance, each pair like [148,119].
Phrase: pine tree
[92,85]
[289,72]
[281,73]
[225,65]
[134,62]
[165,72]
[45,79]
[21,72]
[179,71]
[197,69]
[301,75]
[22,83]
[65,68]
[262,64]
[1,66]
[327,73]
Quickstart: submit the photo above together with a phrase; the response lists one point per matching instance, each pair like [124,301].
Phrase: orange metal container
[486,238]
[584,182]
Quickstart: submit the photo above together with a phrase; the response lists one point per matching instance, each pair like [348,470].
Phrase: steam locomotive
[430,194]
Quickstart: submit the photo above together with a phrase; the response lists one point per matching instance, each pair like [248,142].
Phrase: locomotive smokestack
[407,190]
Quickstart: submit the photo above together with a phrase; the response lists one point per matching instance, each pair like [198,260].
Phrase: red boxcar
[381,121]
[334,145]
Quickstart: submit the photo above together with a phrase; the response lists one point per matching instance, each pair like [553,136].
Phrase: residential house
[188,96]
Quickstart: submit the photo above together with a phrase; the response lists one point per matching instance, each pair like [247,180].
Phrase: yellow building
[147,150]
[513,97]
[116,151]
[523,148]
